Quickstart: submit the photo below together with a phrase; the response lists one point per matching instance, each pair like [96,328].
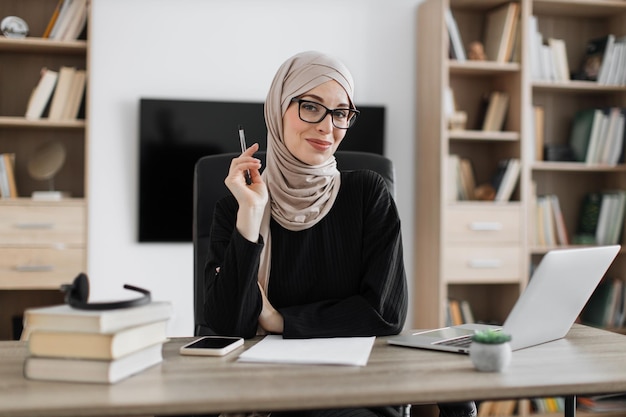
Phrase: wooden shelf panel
[482,67]
[21,122]
[577,87]
[41,45]
[576,167]
[579,8]
[481,135]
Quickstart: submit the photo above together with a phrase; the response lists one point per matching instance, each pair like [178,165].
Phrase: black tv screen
[174,134]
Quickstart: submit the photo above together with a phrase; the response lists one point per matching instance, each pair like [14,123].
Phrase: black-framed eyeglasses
[313,112]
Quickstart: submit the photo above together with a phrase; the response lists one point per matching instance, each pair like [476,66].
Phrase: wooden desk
[587,361]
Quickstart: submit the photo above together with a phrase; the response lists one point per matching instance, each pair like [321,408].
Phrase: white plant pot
[490,357]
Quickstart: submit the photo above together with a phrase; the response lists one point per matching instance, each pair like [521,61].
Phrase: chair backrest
[209,187]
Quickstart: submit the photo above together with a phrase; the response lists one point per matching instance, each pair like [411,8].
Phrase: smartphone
[211,346]
[242,142]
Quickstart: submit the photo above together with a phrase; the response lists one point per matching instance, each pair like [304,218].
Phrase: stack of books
[550,224]
[59,95]
[501,31]
[105,346]
[602,216]
[506,177]
[68,20]
[597,135]
[603,60]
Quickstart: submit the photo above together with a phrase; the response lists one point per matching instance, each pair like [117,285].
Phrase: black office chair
[209,187]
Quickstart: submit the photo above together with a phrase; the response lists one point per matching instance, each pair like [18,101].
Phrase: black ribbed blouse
[342,277]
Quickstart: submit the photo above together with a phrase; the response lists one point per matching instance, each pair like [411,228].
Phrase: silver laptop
[545,311]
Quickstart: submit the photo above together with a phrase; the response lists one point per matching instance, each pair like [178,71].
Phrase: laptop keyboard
[463,341]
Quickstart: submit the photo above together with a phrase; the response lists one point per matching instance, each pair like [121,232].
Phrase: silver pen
[242,141]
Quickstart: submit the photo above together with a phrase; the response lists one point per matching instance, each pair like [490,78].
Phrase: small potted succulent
[490,350]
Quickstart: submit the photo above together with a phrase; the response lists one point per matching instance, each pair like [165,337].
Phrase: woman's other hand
[251,198]
[270,319]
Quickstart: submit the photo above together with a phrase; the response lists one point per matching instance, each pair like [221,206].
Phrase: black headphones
[77,294]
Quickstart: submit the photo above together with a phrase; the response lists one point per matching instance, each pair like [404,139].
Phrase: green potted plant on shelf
[490,350]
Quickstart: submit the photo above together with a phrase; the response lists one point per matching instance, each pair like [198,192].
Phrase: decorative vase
[490,357]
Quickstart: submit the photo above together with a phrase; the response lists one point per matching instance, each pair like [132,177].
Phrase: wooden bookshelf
[42,243]
[443,227]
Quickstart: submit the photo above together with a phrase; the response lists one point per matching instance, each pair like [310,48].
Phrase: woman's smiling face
[314,143]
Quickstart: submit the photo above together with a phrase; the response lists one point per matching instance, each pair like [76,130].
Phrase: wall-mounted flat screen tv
[174,134]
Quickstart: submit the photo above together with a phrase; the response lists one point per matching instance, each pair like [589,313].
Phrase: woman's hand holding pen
[251,198]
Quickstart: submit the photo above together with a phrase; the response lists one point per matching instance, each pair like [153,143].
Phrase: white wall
[222,49]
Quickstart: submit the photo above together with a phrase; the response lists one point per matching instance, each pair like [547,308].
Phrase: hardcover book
[65,318]
[64,344]
[41,94]
[95,371]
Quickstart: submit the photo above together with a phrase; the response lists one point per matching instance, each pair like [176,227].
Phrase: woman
[304,250]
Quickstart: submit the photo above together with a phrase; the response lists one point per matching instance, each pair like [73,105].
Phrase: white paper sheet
[323,351]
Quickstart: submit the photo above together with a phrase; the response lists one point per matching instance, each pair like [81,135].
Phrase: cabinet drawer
[42,225]
[482,224]
[25,268]
[481,264]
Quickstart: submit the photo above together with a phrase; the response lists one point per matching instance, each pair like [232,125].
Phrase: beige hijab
[300,195]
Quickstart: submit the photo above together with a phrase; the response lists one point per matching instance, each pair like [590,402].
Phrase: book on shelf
[509,178]
[548,70]
[500,30]
[106,346]
[496,111]
[605,308]
[588,219]
[8,186]
[456,316]
[601,218]
[548,57]
[61,92]
[610,218]
[546,225]
[597,135]
[610,74]
[456,48]
[459,312]
[538,118]
[466,312]
[53,19]
[559,59]
[535,40]
[70,21]
[614,72]
[559,220]
[75,95]
[77,21]
[468,182]
[92,371]
[603,403]
[580,132]
[65,318]
[41,94]
[61,16]
[612,146]
[461,181]
[547,405]
[495,408]
[550,224]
